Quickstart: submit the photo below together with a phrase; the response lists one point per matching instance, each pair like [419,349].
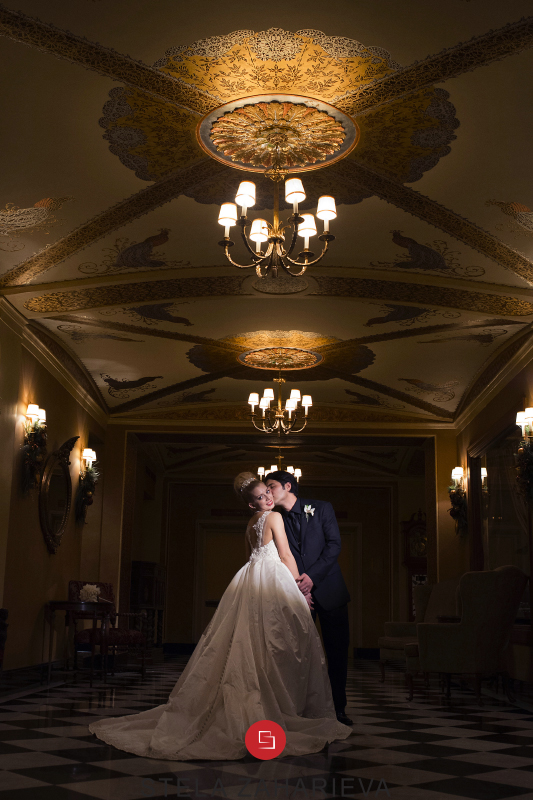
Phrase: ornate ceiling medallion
[281,358]
[277,134]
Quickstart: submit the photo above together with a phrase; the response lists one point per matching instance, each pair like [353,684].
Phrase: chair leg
[409,681]
[478,689]
[382,671]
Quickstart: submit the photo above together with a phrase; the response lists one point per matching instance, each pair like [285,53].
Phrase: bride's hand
[309,600]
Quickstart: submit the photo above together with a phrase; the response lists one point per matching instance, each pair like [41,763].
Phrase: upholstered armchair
[474,645]
[431,601]
[117,638]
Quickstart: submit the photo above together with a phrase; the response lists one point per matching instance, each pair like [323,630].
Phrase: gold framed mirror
[55,495]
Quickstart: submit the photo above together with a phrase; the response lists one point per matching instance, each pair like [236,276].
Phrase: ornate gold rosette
[277,134]
[285,358]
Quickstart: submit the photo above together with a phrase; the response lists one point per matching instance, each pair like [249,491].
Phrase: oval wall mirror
[55,495]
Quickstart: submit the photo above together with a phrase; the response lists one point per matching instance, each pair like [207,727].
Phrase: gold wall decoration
[282,358]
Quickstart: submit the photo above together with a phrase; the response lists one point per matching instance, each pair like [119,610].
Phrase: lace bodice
[260,550]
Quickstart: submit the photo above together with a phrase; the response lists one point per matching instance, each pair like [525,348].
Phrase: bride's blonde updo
[244,484]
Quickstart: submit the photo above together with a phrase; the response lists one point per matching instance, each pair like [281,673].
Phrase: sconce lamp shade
[483,472]
[457,473]
[520,417]
[246,194]
[41,416]
[268,394]
[259,231]
[88,456]
[294,191]
[326,207]
[308,226]
[33,411]
[228,214]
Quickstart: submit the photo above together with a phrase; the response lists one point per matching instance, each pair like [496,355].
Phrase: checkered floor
[428,749]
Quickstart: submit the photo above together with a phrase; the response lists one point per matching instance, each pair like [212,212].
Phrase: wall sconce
[87,485]
[484,486]
[34,447]
[459,509]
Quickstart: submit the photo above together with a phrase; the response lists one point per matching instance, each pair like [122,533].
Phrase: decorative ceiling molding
[482,302]
[464,57]
[115,217]
[123,293]
[103,60]
[418,205]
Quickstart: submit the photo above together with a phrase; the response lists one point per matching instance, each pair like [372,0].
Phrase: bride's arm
[247,548]
[281,542]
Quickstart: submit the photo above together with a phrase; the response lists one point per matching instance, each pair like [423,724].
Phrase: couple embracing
[260,657]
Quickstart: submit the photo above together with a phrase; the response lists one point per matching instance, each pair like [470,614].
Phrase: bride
[260,658]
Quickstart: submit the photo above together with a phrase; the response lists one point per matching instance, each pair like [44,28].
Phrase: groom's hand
[305,584]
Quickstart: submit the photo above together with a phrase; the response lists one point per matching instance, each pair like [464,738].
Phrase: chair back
[106,593]
[435,600]
[490,603]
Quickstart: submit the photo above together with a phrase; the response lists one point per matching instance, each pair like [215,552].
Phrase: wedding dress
[259,658]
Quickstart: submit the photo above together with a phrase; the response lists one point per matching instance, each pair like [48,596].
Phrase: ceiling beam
[103,60]
[449,63]
[117,216]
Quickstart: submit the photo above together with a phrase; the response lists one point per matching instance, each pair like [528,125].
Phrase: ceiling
[108,208]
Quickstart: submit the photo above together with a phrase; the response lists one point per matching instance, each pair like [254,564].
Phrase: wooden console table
[99,611]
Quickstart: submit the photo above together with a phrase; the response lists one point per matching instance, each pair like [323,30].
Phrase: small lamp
[294,193]
[521,420]
[89,456]
[245,196]
[326,210]
[227,217]
[307,401]
[259,233]
[290,469]
[297,473]
[32,413]
[274,468]
[307,228]
[295,395]
[260,472]
[457,475]
[268,394]
[253,400]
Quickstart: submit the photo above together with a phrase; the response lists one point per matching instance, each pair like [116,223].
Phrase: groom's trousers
[335,629]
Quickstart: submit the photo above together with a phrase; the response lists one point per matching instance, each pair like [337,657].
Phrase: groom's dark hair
[284,477]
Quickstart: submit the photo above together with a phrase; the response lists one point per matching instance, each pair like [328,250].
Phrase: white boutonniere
[308,510]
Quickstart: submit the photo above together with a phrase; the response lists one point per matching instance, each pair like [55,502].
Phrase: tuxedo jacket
[317,553]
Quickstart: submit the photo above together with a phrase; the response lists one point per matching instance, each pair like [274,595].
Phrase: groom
[315,543]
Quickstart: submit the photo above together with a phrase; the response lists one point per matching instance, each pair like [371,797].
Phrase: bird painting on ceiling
[151,313]
[15,220]
[121,388]
[370,400]
[125,256]
[521,214]
[407,315]
[442,392]
[435,257]
[485,338]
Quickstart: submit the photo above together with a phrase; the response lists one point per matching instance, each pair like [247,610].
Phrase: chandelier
[277,253]
[262,471]
[282,417]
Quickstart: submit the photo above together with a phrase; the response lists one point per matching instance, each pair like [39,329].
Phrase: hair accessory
[246,482]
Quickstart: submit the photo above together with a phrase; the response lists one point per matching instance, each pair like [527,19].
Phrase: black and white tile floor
[424,750]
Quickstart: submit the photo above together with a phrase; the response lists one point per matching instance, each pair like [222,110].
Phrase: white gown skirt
[259,658]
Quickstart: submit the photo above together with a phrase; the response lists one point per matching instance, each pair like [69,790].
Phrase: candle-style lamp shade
[483,473]
[297,474]
[41,416]
[294,193]
[89,456]
[245,196]
[528,419]
[521,420]
[253,399]
[227,216]
[32,413]
[457,475]
[290,469]
[260,472]
[326,210]
[307,228]
[274,468]
[259,231]
[268,394]
[295,395]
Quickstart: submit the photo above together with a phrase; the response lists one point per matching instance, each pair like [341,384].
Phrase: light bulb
[245,196]
[294,192]
[307,228]
[227,216]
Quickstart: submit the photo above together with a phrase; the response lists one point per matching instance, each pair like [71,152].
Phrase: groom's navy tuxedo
[315,543]
[317,551]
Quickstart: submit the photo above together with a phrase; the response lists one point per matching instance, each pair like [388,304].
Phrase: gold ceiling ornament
[280,358]
[277,134]
[284,417]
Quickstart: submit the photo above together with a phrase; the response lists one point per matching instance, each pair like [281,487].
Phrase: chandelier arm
[295,274]
[299,430]
[293,240]
[262,428]
[247,245]
[310,263]
[240,266]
